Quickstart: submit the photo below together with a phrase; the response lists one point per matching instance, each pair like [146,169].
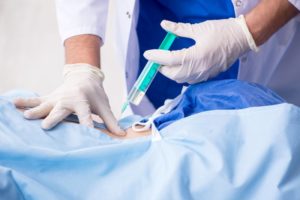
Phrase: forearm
[268,17]
[83,49]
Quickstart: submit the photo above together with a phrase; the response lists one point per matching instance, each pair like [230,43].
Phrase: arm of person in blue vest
[219,43]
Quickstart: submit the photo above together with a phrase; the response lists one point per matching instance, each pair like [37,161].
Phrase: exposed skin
[83,49]
[130,133]
[268,17]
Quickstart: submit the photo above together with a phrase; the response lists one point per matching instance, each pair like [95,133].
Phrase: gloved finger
[84,115]
[163,57]
[38,112]
[179,29]
[110,121]
[57,114]
[173,73]
[27,103]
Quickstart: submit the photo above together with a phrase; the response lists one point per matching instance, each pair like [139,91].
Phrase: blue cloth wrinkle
[219,95]
[218,154]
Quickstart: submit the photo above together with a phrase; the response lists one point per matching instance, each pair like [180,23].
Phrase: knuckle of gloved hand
[43,99]
[74,90]
[25,102]
[31,99]
[104,99]
[204,76]
[197,78]
[178,75]
[191,29]
[84,108]
[49,122]
[78,90]
[180,80]
[103,111]
[60,105]
[210,25]
[198,55]
[60,101]
[173,57]
[86,117]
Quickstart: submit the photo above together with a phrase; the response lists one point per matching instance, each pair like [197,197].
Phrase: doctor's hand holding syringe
[218,43]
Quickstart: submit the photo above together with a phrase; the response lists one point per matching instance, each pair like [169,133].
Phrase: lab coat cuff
[82,31]
[296,3]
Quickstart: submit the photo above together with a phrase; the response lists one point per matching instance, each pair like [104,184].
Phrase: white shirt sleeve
[296,3]
[77,17]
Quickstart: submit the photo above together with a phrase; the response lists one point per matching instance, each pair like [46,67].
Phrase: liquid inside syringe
[145,79]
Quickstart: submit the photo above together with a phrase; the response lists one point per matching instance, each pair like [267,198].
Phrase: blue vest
[150,35]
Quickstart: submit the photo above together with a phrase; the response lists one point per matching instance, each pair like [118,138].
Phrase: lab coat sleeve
[77,17]
[296,3]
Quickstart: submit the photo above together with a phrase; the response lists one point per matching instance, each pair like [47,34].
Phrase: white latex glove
[218,44]
[81,93]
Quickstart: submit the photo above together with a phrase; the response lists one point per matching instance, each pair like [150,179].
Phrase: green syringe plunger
[146,77]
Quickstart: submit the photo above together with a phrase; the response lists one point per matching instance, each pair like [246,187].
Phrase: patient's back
[219,95]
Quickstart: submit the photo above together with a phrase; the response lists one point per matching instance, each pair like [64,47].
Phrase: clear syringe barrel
[149,72]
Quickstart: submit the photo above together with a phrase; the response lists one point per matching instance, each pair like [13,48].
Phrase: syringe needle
[124,107]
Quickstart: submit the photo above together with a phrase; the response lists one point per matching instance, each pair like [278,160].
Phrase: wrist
[83,49]
[257,28]
[268,17]
[248,35]
[79,68]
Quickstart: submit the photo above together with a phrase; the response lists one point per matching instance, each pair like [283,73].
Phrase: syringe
[146,77]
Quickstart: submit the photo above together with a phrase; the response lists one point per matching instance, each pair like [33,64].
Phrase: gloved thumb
[179,29]
[171,62]
[165,58]
[110,121]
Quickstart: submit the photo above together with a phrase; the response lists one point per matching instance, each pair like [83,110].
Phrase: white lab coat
[276,65]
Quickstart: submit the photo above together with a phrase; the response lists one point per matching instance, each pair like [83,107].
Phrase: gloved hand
[81,93]
[218,43]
